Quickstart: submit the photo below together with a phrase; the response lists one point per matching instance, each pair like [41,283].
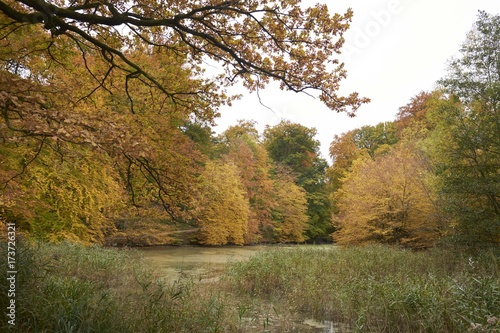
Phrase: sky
[394,49]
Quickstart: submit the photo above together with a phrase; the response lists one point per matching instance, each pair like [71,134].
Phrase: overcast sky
[394,49]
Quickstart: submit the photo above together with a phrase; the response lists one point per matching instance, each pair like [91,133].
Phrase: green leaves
[475,74]
[464,148]
[465,143]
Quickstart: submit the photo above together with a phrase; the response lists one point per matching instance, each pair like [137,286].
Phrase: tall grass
[72,288]
[379,289]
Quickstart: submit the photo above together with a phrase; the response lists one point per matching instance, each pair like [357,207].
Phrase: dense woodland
[105,132]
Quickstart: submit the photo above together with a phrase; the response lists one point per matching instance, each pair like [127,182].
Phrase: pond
[207,263]
[178,261]
[203,262]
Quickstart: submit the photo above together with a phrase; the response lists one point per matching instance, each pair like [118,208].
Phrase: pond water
[178,261]
[207,263]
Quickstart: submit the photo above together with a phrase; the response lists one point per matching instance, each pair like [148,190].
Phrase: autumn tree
[343,152]
[415,111]
[388,199]
[222,208]
[294,146]
[124,78]
[367,141]
[46,106]
[347,147]
[289,212]
[278,206]
[255,41]
[243,148]
[76,198]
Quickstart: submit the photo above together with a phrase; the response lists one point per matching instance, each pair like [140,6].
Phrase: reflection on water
[176,262]
[324,326]
[193,254]
[207,263]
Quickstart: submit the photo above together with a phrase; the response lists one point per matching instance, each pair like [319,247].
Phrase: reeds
[380,289]
[72,288]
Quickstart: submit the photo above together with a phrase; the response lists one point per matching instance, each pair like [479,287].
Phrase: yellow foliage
[74,198]
[289,212]
[93,145]
[388,200]
[223,208]
[253,165]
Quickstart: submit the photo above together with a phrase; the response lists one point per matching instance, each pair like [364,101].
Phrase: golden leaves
[388,199]
[223,208]
[255,41]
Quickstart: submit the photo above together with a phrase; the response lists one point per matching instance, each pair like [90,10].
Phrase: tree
[346,148]
[244,130]
[202,135]
[254,166]
[124,77]
[222,209]
[373,138]
[45,104]
[277,205]
[466,155]
[415,111]
[366,141]
[75,198]
[388,200]
[293,146]
[255,41]
[343,152]
[475,74]
[53,112]
[289,216]
[465,142]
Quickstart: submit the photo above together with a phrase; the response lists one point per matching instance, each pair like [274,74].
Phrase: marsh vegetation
[72,288]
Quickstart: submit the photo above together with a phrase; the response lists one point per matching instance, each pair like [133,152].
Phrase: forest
[106,134]
[107,145]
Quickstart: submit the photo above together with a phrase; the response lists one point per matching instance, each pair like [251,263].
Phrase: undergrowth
[72,288]
[380,289]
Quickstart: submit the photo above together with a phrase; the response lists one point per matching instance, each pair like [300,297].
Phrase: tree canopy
[467,144]
[105,115]
[388,200]
[129,80]
[475,74]
[253,40]
[442,177]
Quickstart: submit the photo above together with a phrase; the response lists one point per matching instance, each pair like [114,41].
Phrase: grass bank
[380,289]
[71,288]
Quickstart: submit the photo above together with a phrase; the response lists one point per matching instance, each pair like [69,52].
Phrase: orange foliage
[388,200]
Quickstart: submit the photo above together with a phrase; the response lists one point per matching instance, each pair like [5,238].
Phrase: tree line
[433,173]
[102,127]
[99,102]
